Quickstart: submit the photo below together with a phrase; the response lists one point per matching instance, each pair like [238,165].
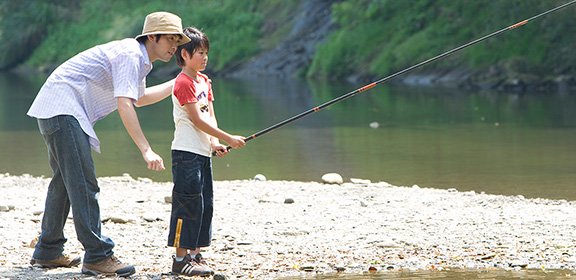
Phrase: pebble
[259,177]
[360,181]
[219,276]
[6,208]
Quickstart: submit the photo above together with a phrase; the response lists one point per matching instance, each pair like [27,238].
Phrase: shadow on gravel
[41,273]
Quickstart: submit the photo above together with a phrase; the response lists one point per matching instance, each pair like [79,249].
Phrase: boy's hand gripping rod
[373,84]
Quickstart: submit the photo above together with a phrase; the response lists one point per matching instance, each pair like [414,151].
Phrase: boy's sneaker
[190,267]
[61,261]
[109,267]
[199,259]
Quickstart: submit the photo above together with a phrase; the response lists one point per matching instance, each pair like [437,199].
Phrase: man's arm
[155,93]
[132,125]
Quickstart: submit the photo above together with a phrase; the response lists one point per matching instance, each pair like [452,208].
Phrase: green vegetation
[372,38]
[232,26]
[24,24]
[377,37]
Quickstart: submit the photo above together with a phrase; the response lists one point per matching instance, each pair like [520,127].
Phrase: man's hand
[153,160]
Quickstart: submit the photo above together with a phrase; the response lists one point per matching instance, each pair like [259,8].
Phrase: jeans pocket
[187,206]
[49,126]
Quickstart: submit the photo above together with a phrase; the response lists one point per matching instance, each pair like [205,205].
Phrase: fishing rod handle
[228,148]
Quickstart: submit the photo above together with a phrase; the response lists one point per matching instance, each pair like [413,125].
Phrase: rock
[33,242]
[288,201]
[219,276]
[312,24]
[126,177]
[150,218]
[145,180]
[360,181]
[259,177]
[487,257]
[308,267]
[332,178]
[117,220]
[518,263]
[168,199]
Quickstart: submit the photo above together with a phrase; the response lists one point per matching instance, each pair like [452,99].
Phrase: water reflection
[434,137]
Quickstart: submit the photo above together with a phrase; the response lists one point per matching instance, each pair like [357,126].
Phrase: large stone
[332,178]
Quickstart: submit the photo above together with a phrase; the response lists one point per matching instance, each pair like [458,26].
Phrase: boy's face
[198,60]
[164,48]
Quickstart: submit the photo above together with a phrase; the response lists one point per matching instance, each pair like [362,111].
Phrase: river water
[499,143]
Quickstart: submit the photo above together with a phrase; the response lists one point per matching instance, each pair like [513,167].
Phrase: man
[75,96]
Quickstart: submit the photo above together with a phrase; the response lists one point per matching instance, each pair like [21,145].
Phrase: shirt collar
[145,57]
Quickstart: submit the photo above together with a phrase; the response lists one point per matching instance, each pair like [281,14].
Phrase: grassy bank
[384,36]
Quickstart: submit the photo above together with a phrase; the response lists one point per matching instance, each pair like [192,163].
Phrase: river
[493,142]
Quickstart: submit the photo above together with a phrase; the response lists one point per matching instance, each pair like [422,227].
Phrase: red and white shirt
[187,137]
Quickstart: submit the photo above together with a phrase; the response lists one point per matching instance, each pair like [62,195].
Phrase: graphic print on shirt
[203,102]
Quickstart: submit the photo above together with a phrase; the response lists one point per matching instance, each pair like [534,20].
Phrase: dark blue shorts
[192,201]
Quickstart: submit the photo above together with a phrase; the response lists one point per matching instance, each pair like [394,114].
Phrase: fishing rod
[373,84]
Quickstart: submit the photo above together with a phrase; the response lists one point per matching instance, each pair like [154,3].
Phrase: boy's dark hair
[197,40]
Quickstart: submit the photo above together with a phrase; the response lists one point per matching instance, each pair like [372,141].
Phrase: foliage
[23,25]
[232,27]
[377,37]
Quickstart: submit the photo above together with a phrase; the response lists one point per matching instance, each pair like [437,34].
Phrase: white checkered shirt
[87,85]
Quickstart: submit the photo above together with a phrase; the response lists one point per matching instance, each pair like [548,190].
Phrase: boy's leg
[205,236]
[186,216]
[187,211]
[181,252]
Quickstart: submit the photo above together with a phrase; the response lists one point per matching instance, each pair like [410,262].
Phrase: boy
[78,93]
[195,137]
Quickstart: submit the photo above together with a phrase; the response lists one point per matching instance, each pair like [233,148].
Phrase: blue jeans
[73,185]
[192,201]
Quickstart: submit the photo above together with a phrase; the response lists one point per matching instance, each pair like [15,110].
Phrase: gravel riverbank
[272,229]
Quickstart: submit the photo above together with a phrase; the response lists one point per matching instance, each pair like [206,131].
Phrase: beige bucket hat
[163,23]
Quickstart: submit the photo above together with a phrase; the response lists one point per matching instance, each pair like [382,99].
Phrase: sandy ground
[274,229]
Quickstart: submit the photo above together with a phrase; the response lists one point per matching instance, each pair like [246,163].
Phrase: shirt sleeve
[210,94]
[184,90]
[208,81]
[125,76]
